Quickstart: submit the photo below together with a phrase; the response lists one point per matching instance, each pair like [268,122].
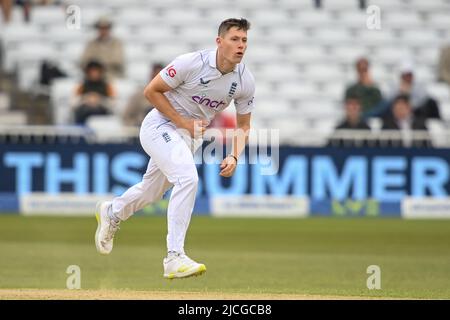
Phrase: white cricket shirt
[200,90]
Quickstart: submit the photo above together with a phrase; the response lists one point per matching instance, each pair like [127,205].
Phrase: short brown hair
[401,97]
[241,24]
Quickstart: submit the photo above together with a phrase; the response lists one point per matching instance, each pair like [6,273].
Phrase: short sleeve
[178,70]
[245,102]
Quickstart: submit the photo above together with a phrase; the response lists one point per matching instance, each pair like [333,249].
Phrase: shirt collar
[212,61]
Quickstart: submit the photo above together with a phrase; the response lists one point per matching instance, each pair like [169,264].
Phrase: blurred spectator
[364,88]
[353,119]
[138,106]
[26,8]
[106,49]
[95,93]
[444,65]
[423,106]
[49,71]
[360,4]
[402,117]
[6,6]
[224,120]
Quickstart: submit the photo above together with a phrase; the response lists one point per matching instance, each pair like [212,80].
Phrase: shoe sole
[99,224]
[200,270]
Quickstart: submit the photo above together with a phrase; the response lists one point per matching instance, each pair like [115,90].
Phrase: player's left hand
[228,166]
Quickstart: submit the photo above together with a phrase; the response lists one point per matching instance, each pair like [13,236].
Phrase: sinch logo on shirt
[208,102]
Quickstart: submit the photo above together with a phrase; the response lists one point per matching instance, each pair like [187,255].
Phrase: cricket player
[187,94]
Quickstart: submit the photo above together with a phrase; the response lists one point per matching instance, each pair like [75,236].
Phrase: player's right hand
[195,127]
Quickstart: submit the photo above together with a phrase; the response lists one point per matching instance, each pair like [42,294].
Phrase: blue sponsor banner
[9,202]
[384,175]
[355,208]
[202,206]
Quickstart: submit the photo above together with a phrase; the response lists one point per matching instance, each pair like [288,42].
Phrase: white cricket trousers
[171,164]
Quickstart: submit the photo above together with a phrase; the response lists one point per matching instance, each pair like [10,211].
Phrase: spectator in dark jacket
[402,119]
[353,118]
[352,121]
[365,88]
[95,93]
[422,104]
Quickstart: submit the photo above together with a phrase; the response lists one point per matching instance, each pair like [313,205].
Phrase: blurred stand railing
[66,134]
[15,134]
[386,138]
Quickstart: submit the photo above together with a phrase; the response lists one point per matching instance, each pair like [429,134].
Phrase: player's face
[233,44]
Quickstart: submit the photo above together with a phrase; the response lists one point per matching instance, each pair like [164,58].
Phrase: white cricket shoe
[106,228]
[178,265]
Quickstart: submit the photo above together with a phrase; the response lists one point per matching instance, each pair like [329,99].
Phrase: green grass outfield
[314,256]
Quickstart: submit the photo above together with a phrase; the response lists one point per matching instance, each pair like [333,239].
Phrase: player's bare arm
[239,141]
[154,92]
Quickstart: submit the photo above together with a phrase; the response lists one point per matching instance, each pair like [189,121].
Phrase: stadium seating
[45,16]
[439,21]
[61,93]
[297,52]
[429,6]
[106,127]
[439,91]
[13,118]
[124,88]
[438,132]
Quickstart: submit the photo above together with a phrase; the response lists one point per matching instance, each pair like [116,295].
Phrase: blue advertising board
[328,176]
